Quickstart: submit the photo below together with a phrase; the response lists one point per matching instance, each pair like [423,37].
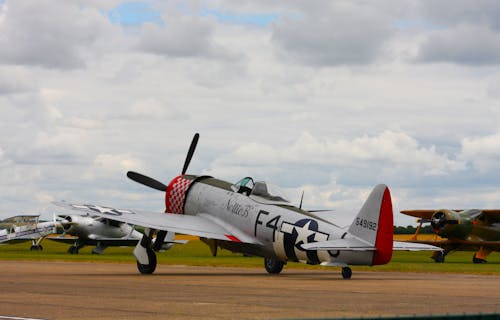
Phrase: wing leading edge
[199,225]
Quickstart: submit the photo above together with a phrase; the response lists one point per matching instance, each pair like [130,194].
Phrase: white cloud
[116,162]
[327,98]
[388,149]
[183,37]
[465,44]
[482,152]
[334,33]
[152,109]
[61,39]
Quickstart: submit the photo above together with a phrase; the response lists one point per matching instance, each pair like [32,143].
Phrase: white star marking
[303,233]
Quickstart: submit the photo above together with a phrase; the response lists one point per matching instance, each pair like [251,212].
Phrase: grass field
[197,253]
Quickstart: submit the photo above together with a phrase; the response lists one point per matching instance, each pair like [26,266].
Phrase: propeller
[301,198]
[147,181]
[190,153]
[155,184]
[439,220]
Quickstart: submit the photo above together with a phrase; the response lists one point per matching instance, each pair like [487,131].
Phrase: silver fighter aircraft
[247,217]
[85,230]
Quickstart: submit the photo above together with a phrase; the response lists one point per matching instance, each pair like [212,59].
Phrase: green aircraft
[461,230]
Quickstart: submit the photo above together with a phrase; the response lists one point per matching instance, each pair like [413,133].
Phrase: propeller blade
[190,153]
[301,198]
[147,181]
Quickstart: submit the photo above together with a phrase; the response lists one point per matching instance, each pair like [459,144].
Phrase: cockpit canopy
[260,189]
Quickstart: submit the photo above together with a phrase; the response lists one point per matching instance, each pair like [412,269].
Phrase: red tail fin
[385,231]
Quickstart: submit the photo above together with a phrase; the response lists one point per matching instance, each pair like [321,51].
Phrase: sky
[326,97]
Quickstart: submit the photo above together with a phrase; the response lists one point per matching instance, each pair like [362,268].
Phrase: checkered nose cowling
[176,194]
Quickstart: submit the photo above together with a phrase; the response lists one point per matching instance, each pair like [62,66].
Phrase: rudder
[374,224]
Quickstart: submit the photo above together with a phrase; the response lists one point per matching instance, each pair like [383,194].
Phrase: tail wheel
[273,266]
[346,273]
[148,268]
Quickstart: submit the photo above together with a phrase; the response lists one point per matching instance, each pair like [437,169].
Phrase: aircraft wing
[355,244]
[459,244]
[13,238]
[201,225]
[423,214]
[492,214]
[351,244]
[24,234]
[412,246]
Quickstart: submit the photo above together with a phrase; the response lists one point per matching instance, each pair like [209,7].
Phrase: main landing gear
[35,245]
[75,248]
[438,256]
[481,255]
[144,253]
[273,265]
[151,266]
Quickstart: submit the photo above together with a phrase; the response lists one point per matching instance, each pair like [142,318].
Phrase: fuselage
[470,225]
[87,227]
[36,231]
[280,227]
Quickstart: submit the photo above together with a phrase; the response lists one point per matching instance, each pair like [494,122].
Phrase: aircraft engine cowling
[451,224]
[66,223]
[176,192]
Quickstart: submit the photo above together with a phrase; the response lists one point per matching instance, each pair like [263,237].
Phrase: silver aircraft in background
[90,230]
[23,228]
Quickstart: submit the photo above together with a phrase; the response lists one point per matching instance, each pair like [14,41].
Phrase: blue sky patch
[134,13]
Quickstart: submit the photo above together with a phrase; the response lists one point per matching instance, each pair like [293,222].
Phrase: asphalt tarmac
[74,290]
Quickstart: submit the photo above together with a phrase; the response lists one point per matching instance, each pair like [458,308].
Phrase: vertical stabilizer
[374,224]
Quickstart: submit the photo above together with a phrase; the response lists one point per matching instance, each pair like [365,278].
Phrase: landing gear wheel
[36,247]
[438,256]
[73,250]
[273,266]
[346,273]
[477,260]
[148,268]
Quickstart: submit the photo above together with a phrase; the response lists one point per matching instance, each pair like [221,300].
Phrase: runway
[74,290]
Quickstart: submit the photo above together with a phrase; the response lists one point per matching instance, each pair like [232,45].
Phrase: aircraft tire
[148,268]
[273,266]
[36,248]
[439,257]
[477,260]
[346,273]
[73,250]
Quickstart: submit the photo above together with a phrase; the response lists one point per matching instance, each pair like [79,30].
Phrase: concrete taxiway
[73,290]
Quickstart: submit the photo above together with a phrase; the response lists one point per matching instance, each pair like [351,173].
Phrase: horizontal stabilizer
[354,244]
[351,244]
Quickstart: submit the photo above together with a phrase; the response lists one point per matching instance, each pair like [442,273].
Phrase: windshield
[243,186]
[260,189]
